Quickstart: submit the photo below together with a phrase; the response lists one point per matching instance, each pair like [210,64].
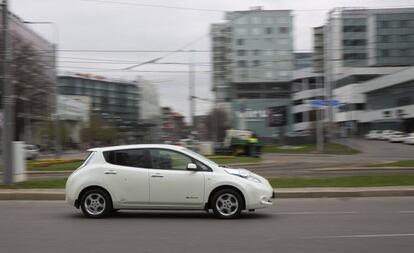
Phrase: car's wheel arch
[222,187]
[84,190]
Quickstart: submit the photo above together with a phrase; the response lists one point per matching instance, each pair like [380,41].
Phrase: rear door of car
[126,174]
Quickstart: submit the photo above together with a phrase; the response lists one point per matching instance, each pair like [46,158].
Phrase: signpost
[318,104]
[277,117]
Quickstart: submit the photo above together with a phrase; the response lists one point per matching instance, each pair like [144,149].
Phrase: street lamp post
[8,99]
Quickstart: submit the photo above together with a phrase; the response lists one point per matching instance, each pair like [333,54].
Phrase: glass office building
[115,101]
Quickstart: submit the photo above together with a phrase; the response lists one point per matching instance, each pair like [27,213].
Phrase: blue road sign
[323,103]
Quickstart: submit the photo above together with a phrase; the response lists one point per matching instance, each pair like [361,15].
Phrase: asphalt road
[314,165]
[293,225]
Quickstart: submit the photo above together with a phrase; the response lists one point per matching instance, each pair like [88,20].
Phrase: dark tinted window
[168,160]
[128,157]
[164,159]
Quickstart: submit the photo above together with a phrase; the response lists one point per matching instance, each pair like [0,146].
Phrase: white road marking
[360,236]
[405,212]
[308,213]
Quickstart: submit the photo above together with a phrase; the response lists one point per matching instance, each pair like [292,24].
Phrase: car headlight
[244,174]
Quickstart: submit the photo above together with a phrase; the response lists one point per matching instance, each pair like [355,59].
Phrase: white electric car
[162,177]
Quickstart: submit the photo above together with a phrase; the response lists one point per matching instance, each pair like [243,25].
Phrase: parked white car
[162,177]
[372,135]
[31,151]
[409,139]
[385,135]
[397,137]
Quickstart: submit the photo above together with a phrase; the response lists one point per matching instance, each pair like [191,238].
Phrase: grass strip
[282,182]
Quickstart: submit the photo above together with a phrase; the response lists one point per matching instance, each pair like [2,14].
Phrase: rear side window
[128,157]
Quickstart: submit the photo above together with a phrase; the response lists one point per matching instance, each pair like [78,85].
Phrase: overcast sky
[117,25]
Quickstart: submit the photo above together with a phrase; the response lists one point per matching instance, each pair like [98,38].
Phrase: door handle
[110,172]
[157,175]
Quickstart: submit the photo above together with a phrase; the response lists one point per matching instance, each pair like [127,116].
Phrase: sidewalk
[337,192]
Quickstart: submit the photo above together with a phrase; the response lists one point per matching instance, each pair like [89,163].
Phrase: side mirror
[192,167]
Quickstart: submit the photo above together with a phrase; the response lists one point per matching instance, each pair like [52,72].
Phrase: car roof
[135,146]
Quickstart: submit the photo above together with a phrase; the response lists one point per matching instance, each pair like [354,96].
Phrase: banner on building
[277,116]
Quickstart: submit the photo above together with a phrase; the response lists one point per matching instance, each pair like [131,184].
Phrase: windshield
[201,158]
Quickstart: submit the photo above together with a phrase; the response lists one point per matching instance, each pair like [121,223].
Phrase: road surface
[379,225]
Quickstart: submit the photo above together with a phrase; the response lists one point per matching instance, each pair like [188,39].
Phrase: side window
[128,157]
[168,160]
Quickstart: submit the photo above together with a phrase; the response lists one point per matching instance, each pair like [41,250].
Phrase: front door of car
[170,181]
[126,175]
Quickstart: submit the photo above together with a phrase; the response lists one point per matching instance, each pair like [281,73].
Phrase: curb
[58,194]
[32,196]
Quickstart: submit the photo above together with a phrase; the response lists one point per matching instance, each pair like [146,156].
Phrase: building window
[240,42]
[241,64]
[283,20]
[403,23]
[354,56]
[404,38]
[269,30]
[268,52]
[256,63]
[384,24]
[241,20]
[256,20]
[354,28]
[405,101]
[256,31]
[256,52]
[359,42]
[404,52]
[385,38]
[283,42]
[385,52]
[241,52]
[283,29]
[298,117]
[269,74]
[241,31]
[269,20]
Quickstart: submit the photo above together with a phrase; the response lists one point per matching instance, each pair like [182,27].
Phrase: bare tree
[217,124]
[34,88]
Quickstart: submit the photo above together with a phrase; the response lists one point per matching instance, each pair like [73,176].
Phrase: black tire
[227,204]
[96,203]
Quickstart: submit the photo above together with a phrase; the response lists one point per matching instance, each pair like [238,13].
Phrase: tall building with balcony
[252,65]
[361,45]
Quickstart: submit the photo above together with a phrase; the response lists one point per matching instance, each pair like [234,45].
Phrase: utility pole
[58,146]
[8,100]
[319,124]
[192,88]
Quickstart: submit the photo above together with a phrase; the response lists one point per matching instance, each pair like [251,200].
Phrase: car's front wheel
[227,204]
[96,203]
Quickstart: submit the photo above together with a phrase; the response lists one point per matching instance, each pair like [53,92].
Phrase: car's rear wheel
[96,203]
[227,204]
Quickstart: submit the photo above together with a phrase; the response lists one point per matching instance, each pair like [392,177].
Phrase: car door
[170,181]
[127,175]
